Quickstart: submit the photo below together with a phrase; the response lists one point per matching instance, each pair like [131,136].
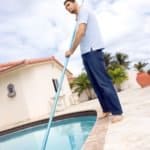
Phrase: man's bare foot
[116,118]
[105,114]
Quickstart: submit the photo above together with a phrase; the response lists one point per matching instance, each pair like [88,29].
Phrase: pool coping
[96,138]
[42,121]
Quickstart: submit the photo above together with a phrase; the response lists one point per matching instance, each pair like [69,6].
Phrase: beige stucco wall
[83,97]
[131,82]
[12,109]
[34,93]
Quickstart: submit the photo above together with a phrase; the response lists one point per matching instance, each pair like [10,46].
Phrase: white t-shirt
[92,38]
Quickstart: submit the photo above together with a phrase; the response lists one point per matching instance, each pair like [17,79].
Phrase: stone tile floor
[132,133]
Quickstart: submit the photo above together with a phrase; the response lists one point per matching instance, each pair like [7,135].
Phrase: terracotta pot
[143,79]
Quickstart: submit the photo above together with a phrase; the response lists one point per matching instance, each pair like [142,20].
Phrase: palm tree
[122,59]
[81,84]
[139,66]
[118,75]
[108,59]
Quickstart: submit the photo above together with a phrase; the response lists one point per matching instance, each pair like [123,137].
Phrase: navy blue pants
[95,67]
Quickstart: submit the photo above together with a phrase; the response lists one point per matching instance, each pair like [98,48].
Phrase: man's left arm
[78,36]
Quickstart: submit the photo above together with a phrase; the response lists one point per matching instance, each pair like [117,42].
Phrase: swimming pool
[67,134]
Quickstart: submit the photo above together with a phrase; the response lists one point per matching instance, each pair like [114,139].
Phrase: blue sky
[35,28]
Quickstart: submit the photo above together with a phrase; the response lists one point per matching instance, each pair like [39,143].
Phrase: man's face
[70,6]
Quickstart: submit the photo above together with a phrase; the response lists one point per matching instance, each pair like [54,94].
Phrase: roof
[15,64]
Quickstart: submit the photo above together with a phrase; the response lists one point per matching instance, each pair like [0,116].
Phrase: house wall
[131,83]
[12,110]
[34,93]
[83,97]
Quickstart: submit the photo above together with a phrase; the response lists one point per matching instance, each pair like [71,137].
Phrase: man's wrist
[71,50]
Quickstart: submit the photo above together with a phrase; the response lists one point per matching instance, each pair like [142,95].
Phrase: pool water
[67,134]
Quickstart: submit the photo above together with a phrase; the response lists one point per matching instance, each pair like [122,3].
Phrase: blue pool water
[67,134]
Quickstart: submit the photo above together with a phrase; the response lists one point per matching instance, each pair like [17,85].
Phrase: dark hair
[69,1]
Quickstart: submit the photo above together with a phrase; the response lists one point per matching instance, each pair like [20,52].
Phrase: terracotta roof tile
[10,65]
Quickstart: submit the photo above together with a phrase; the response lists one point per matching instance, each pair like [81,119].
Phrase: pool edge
[41,121]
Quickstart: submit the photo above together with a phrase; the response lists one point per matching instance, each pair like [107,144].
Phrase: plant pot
[143,79]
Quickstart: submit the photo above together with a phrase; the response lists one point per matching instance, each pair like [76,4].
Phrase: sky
[35,29]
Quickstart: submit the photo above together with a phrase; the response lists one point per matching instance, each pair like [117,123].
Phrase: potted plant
[148,71]
[82,84]
[116,67]
[142,78]
[118,75]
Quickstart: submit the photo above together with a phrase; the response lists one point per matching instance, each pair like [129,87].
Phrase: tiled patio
[132,133]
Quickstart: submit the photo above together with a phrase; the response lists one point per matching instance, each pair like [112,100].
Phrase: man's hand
[68,53]
[77,39]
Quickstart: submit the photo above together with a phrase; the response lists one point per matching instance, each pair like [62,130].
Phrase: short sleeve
[83,16]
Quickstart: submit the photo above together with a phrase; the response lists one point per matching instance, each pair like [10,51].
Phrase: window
[11,90]
[55,84]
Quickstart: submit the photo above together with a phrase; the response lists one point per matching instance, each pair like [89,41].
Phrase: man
[91,46]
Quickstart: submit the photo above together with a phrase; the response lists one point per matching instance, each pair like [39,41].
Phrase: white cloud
[127,28]
[34,28]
